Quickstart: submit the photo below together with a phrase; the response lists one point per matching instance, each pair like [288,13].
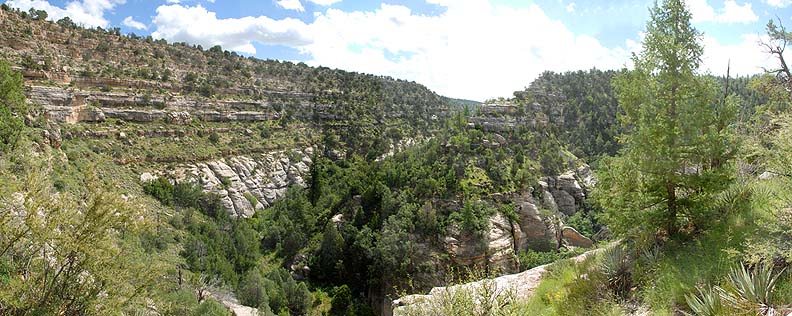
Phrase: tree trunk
[671,227]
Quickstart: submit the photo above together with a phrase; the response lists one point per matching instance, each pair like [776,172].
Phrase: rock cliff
[537,226]
[244,183]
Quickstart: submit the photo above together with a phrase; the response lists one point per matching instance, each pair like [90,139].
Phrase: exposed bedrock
[245,183]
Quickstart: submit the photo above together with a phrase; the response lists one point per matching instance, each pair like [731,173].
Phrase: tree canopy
[678,139]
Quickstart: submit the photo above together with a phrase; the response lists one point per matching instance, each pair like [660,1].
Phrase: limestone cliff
[244,183]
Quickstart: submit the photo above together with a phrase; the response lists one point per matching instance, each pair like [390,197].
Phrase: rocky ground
[519,286]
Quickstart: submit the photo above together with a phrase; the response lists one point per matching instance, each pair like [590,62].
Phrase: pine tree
[679,139]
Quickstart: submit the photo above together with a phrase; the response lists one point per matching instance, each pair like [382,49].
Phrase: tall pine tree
[678,140]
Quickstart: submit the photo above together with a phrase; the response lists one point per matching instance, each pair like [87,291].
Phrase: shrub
[214,137]
[751,290]
[210,307]
[617,269]
[252,290]
[706,303]
[530,258]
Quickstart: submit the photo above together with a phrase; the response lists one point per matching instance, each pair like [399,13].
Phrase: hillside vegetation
[150,178]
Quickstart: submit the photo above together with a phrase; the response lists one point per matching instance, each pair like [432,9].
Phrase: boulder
[573,238]
[178,118]
[534,231]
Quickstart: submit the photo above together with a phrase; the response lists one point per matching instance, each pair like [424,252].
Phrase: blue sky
[473,49]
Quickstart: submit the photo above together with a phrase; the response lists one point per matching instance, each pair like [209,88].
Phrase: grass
[571,288]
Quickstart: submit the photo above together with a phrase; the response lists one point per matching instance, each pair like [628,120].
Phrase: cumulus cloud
[89,13]
[130,22]
[197,25]
[290,5]
[475,49]
[731,12]
[745,58]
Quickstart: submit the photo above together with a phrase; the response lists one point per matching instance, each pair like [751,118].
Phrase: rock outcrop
[573,238]
[566,190]
[519,286]
[538,225]
[492,249]
[245,183]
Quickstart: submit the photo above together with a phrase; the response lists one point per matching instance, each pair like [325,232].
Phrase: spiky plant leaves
[755,287]
[616,266]
[706,303]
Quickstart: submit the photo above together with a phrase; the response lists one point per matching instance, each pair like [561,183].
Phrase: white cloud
[731,12]
[779,3]
[291,5]
[172,1]
[89,13]
[745,58]
[130,22]
[197,25]
[473,50]
[325,2]
[570,7]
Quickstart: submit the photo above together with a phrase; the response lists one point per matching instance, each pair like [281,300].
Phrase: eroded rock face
[538,225]
[491,249]
[246,183]
[178,118]
[566,191]
[532,230]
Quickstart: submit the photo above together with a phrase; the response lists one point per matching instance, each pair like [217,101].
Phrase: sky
[471,49]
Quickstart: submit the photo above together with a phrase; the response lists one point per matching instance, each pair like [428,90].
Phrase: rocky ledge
[519,286]
[244,183]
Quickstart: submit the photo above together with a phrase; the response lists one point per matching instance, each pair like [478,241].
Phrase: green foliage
[46,255]
[214,137]
[751,288]
[570,288]
[210,307]
[12,107]
[285,294]
[530,258]
[252,290]
[706,303]
[342,300]
[747,292]
[680,143]
[179,302]
[617,269]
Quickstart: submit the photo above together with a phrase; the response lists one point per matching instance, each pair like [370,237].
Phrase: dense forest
[690,208]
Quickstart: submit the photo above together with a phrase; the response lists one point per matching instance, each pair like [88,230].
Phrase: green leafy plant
[617,268]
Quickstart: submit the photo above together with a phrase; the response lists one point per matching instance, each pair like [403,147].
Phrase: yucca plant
[751,290]
[615,265]
[707,303]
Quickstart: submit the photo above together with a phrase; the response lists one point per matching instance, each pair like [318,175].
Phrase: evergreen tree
[12,107]
[679,141]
